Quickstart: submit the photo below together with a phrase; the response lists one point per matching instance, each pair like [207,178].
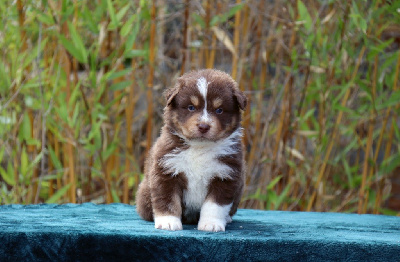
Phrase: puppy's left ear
[240,97]
[170,93]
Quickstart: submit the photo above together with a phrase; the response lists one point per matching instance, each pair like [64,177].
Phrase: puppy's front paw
[168,223]
[211,225]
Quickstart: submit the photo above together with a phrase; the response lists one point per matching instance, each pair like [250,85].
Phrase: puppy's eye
[191,108]
[219,111]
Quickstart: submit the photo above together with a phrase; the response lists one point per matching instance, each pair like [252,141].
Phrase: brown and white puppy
[195,171]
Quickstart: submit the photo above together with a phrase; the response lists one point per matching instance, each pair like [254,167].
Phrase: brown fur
[161,192]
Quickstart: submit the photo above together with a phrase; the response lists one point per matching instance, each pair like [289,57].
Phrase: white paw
[211,225]
[168,223]
[228,219]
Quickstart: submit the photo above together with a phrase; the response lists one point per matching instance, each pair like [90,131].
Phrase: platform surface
[115,232]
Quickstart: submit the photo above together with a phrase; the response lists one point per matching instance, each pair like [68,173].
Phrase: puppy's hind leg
[143,201]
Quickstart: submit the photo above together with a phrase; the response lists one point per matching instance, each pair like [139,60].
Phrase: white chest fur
[199,163]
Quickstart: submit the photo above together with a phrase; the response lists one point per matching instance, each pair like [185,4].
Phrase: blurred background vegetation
[81,101]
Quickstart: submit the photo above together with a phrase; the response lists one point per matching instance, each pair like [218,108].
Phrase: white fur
[205,117]
[200,164]
[168,223]
[214,217]
[202,85]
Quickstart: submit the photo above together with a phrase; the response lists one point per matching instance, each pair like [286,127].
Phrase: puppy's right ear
[240,97]
[170,94]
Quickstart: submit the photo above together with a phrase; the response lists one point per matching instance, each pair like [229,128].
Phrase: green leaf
[62,109]
[73,50]
[393,100]
[61,192]
[390,164]
[32,84]
[99,92]
[75,115]
[271,198]
[78,43]
[257,195]
[198,19]
[309,113]
[275,181]
[396,128]
[233,10]
[342,108]
[112,102]
[215,20]
[350,146]
[113,16]
[57,164]
[5,80]
[45,18]
[25,129]
[375,50]
[88,17]
[24,162]
[114,75]
[27,61]
[132,37]
[291,163]
[122,12]
[49,177]
[304,16]
[127,27]
[137,53]
[388,212]
[343,90]
[120,86]
[357,18]
[145,12]
[74,95]
[95,134]
[348,174]
[35,161]
[389,62]
[282,197]
[8,176]
[32,54]
[218,19]
[110,149]
[3,148]
[115,196]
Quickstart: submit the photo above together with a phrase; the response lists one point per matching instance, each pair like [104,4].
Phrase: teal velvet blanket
[115,232]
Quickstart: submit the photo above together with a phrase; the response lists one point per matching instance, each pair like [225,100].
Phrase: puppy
[195,171]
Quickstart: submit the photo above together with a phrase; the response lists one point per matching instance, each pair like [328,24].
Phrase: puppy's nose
[203,128]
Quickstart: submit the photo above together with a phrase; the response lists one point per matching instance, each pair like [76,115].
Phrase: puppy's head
[204,105]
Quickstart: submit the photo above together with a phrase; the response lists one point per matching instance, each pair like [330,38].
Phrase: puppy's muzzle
[203,128]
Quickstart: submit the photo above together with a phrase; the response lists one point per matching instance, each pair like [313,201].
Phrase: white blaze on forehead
[202,85]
